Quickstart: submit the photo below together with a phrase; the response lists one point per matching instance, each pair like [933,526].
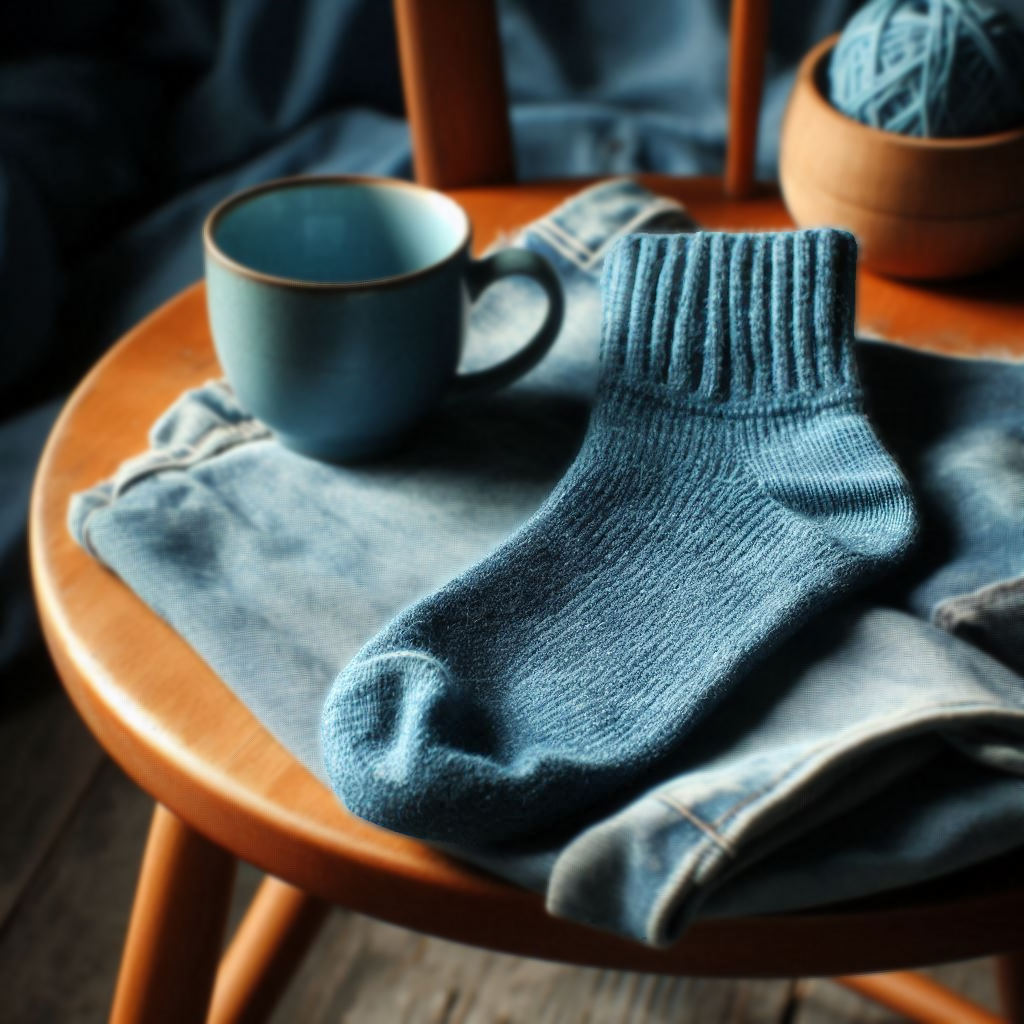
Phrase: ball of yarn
[934,68]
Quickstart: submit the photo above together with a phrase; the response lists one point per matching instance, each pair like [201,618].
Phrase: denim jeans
[880,747]
[277,568]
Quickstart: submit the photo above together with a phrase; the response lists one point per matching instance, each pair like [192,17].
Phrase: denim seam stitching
[563,234]
[539,231]
[584,256]
[825,745]
[567,906]
[672,896]
[984,599]
[647,214]
[86,538]
[680,888]
[697,821]
[216,440]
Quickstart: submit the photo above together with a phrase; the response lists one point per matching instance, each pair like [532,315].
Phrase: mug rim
[299,180]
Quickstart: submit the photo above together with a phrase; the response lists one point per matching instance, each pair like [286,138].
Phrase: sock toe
[406,748]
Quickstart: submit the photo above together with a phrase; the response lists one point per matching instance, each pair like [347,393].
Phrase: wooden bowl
[920,208]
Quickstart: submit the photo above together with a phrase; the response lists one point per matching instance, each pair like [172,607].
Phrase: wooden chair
[226,789]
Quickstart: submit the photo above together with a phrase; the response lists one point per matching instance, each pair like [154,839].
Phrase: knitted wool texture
[934,68]
[729,487]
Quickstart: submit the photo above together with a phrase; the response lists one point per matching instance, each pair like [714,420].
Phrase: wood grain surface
[184,737]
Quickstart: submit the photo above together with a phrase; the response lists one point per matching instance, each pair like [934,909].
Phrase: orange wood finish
[1010,973]
[177,927]
[187,740]
[748,47]
[919,999]
[928,208]
[452,72]
[270,943]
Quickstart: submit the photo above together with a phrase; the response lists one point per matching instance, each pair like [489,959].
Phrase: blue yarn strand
[930,68]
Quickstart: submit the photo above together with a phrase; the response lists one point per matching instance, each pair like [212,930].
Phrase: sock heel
[843,482]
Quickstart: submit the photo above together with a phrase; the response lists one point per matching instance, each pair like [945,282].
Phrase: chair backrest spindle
[455,97]
[748,46]
[455,94]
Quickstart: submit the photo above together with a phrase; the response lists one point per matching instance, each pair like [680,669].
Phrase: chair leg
[268,948]
[1010,972]
[177,927]
[918,998]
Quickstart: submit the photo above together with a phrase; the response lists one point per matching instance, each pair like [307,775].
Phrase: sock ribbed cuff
[728,318]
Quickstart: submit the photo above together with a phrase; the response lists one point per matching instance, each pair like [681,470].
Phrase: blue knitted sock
[728,488]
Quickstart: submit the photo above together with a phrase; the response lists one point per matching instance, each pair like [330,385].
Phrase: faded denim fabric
[816,783]
[277,569]
[877,748]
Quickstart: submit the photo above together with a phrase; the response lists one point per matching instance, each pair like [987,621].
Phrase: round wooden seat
[187,740]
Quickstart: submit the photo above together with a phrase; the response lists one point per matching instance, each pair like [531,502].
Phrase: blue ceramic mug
[339,306]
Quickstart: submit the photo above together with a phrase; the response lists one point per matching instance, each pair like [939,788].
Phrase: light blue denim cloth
[877,748]
[277,569]
[817,782]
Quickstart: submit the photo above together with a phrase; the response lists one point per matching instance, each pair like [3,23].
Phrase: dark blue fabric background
[122,123]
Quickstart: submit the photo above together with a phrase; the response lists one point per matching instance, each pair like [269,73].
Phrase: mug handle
[481,274]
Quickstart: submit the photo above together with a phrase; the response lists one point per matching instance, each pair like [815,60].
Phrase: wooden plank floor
[73,828]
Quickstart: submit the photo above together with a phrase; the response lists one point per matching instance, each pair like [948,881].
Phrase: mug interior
[340,232]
